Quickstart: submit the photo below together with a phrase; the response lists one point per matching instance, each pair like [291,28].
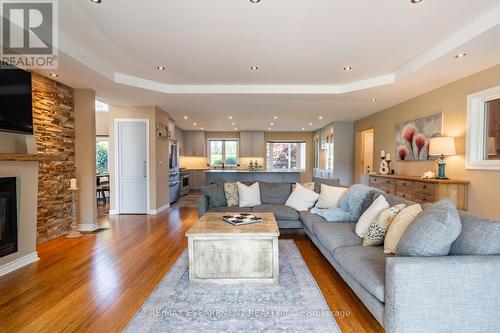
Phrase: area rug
[294,305]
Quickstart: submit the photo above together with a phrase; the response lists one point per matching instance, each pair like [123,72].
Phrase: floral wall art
[412,137]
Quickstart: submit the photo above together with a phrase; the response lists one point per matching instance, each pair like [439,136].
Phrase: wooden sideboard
[422,190]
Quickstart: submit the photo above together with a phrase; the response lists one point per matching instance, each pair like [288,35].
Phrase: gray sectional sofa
[455,293]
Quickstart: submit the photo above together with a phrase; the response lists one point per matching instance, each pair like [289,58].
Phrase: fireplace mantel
[29,157]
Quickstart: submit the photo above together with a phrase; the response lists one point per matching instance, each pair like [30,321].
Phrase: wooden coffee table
[222,253]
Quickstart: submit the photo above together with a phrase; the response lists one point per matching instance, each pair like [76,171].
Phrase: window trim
[301,156]
[477,131]
[224,150]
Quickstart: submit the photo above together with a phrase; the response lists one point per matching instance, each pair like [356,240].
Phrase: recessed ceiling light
[185,117]
[233,124]
[195,124]
[161,68]
[416,1]
[202,128]
[236,128]
[310,124]
[254,1]
[320,117]
[272,124]
[254,68]
[460,55]
[269,128]
[54,74]
[373,100]
[275,117]
[96,1]
[230,117]
[303,128]
[347,68]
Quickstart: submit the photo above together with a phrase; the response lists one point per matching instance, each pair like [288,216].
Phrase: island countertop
[248,171]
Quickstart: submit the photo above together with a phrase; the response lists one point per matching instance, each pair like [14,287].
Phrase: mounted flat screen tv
[16,111]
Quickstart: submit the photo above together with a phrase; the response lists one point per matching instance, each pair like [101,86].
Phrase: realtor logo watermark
[29,37]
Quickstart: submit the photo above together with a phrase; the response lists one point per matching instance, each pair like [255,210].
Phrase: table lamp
[442,146]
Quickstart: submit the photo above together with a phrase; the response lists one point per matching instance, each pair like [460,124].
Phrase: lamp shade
[492,146]
[444,145]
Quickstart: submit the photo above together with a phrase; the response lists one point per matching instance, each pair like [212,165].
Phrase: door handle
[144,170]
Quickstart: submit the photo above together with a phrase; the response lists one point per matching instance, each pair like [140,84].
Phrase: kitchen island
[237,175]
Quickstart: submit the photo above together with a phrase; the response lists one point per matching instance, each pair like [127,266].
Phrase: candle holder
[74,233]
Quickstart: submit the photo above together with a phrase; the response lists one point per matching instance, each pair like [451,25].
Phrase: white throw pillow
[377,207]
[329,196]
[249,195]
[302,198]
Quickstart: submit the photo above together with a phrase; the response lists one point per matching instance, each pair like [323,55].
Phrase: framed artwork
[412,137]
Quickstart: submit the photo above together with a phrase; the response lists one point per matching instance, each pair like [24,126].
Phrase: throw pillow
[329,196]
[432,233]
[302,198]
[479,236]
[351,205]
[398,227]
[215,195]
[377,207]
[231,193]
[249,195]
[309,185]
[377,230]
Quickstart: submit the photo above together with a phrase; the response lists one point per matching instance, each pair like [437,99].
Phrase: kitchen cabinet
[179,137]
[252,144]
[194,144]
[197,179]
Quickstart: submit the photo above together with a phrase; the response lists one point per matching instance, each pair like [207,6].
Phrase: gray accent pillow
[215,195]
[479,236]
[274,193]
[432,232]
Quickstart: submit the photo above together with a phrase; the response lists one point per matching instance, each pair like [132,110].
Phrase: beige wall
[158,151]
[452,101]
[27,187]
[85,157]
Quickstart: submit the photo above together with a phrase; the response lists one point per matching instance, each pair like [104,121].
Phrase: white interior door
[132,167]
[368,153]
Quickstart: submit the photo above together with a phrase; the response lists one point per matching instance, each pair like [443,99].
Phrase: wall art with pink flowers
[412,137]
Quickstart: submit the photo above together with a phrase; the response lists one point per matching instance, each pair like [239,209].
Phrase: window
[223,151]
[483,130]
[101,107]
[102,155]
[286,155]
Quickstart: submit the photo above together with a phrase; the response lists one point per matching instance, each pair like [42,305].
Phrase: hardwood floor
[97,282]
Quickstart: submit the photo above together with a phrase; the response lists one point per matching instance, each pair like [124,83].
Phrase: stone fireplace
[8,216]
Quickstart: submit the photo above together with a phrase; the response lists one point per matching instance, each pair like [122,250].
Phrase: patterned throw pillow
[378,228]
[231,193]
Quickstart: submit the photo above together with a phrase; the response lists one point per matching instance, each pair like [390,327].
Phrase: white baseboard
[18,263]
[159,210]
[88,227]
[113,212]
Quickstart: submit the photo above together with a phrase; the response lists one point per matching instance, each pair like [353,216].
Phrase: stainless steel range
[185,187]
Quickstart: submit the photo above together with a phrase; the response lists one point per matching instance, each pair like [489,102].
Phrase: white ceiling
[397,50]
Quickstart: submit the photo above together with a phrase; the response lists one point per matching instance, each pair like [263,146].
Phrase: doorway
[132,147]
[364,155]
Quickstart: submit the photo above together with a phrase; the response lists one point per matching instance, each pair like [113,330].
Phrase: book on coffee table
[241,219]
